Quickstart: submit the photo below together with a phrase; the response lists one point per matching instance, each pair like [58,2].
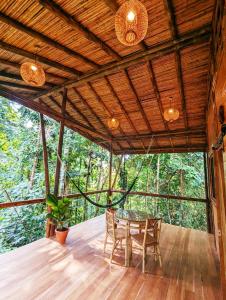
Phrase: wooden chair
[116,233]
[149,237]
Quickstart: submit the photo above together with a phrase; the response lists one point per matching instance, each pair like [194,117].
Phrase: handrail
[41,200]
[162,196]
[78,195]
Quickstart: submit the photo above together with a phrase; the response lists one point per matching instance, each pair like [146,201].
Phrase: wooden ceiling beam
[194,37]
[21,86]
[16,66]
[19,78]
[175,36]
[138,102]
[94,114]
[41,59]
[195,132]
[45,39]
[84,133]
[158,97]
[107,110]
[98,99]
[43,109]
[177,148]
[110,86]
[73,23]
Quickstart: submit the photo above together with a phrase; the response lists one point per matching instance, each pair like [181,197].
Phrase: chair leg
[144,260]
[112,252]
[155,253]
[159,256]
[105,242]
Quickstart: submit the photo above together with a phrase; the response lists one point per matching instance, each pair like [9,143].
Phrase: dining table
[129,218]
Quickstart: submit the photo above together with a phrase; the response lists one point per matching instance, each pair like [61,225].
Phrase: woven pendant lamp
[113,123]
[131,22]
[32,72]
[171,114]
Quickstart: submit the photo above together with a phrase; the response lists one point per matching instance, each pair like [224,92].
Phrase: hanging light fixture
[32,72]
[131,22]
[171,114]
[113,123]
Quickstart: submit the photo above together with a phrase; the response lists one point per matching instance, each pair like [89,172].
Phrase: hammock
[116,202]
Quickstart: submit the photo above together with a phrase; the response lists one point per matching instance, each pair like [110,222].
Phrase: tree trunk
[157,181]
[35,161]
[86,188]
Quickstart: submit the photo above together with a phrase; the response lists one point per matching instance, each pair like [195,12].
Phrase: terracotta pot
[61,235]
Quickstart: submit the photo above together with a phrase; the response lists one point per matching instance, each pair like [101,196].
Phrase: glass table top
[132,215]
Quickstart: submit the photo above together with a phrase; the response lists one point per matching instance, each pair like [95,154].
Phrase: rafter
[21,86]
[16,66]
[174,33]
[195,132]
[176,148]
[83,132]
[107,110]
[45,39]
[41,59]
[19,78]
[110,86]
[43,109]
[158,96]
[73,22]
[94,114]
[194,37]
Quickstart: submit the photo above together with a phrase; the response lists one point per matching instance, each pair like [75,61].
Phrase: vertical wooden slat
[46,169]
[208,211]
[110,176]
[60,146]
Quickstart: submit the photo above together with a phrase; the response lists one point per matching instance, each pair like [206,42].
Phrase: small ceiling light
[113,123]
[171,114]
[131,22]
[131,16]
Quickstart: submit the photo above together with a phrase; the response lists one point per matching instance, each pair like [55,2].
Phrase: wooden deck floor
[80,270]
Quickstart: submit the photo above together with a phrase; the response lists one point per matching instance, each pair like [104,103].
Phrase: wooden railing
[78,195]
[41,200]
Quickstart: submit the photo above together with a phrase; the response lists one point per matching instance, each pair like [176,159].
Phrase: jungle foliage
[22,177]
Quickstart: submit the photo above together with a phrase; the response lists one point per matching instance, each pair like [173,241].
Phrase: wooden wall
[217,158]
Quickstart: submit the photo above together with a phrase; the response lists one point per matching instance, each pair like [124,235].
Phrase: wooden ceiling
[102,78]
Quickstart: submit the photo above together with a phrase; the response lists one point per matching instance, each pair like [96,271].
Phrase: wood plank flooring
[80,270]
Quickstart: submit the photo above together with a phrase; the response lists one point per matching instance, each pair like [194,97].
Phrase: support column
[208,209]
[110,177]
[60,145]
[59,152]
[46,169]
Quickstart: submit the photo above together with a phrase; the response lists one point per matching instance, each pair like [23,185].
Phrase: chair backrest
[110,222]
[152,227]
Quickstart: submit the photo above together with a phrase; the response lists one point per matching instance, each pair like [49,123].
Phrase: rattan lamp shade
[32,73]
[113,123]
[171,114]
[131,22]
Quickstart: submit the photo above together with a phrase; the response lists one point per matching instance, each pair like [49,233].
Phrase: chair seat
[139,238]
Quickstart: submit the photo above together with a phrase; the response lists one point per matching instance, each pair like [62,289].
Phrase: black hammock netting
[110,204]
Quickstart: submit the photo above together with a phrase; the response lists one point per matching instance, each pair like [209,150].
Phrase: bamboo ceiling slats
[103,78]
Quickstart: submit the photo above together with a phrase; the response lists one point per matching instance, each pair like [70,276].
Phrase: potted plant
[59,215]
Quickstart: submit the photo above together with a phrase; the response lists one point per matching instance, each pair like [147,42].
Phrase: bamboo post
[59,151]
[208,210]
[110,177]
[46,169]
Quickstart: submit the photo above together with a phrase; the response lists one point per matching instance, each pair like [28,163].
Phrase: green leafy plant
[60,211]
